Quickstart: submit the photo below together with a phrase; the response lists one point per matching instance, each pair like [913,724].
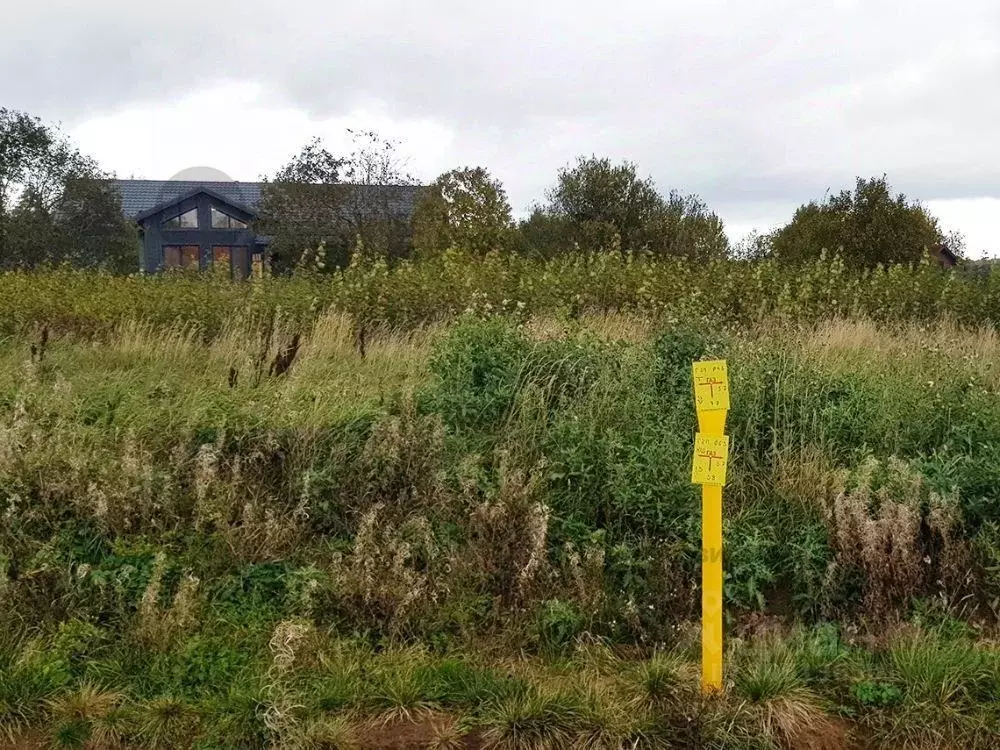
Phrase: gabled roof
[943,255]
[190,194]
[947,254]
[140,196]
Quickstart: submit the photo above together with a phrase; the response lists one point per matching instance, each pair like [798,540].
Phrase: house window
[220,256]
[222,220]
[186,220]
[181,256]
[240,262]
[232,258]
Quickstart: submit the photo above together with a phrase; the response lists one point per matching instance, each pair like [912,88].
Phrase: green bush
[411,294]
[559,623]
[479,369]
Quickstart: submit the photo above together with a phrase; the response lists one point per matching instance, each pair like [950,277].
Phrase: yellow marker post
[711,457]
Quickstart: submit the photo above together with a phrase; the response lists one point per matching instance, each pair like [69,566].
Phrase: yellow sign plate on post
[711,455]
[711,385]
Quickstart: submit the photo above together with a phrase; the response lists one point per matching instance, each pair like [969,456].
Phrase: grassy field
[475,527]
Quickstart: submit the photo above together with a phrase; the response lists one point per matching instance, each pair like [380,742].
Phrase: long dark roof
[140,196]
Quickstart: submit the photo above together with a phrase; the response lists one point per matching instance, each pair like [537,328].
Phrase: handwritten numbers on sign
[711,455]
[711,385]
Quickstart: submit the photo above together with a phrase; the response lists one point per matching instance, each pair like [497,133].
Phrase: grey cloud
[766,102]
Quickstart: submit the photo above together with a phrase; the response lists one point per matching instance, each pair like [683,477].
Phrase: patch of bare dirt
[832,733]
[27,742]
[421,733]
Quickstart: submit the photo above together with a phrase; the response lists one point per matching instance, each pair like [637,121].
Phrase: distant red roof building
[943,255]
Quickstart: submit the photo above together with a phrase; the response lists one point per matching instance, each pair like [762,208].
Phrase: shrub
[507,537]
[410,295]
[868,227]
[901,536]
[751,558]
[559,623]
[478,368]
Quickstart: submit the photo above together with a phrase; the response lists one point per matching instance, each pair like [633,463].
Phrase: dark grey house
[207,224]
[194,224]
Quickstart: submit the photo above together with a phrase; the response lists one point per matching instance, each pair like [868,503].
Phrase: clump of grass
[776,703]
[533,721]
[401,687]
[662,683]
[613,719]
[948,691]
[455,683]
[398,696]
[448,734]
[166,722]
[28,679]
[234,716]
[87,715]
[328,733]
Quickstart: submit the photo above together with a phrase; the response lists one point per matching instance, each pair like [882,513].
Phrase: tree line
[56,204]
[320,209]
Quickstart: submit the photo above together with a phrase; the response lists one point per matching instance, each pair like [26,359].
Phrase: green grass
[923,684]
[464,519]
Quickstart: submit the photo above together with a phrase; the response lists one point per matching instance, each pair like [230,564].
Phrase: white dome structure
[202,174]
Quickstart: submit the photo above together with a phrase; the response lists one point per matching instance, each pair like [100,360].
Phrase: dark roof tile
[139,196]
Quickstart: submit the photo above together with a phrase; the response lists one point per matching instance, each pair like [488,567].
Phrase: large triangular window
[222,220]
[186,220]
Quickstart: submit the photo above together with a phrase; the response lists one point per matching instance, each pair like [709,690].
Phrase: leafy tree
[337,203]
[866,227]
[595,191]
[464,208]
[685,227]
[754,246]
[547,235]
[91,229]
[57,205]
[24,140]
[302,209]
[313,165]
[608,206]
[380,195]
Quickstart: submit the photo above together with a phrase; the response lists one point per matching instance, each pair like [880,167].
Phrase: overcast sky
[756,105]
